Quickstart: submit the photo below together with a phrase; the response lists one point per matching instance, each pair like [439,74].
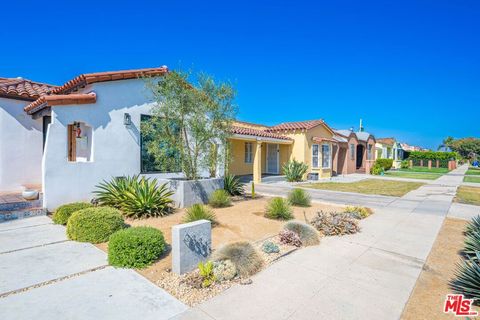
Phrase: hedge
[136,247]
[94,225]
[431,155]
[386,164]
[63,213]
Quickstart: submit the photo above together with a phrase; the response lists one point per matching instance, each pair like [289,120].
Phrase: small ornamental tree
[190,122]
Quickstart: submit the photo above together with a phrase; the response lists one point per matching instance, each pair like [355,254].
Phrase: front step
[21,214]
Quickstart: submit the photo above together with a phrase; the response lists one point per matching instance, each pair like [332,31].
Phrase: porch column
[257,162]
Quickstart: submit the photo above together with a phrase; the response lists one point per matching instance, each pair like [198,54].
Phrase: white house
[21,136]
[389,148]
[94,133]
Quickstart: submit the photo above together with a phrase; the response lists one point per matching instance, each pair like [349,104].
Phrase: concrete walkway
[369,275]
[45,276]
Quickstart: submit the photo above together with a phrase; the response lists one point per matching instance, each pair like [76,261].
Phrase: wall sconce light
[127,119]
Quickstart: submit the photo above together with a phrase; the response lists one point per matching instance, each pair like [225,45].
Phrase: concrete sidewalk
[369,275]
[43,275]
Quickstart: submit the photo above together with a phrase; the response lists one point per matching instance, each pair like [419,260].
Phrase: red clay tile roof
[60,99]
[19,88]
[389,141]
[257,133]
[298,125]
[321,139]
[88,78]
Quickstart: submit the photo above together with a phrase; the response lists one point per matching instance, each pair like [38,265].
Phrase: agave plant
[145,199]
[112,193]
[232,185]
[473,226]
[472,244]
[294,170]
[467,279]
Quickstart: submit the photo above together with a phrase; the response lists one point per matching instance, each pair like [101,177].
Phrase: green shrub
[137,197]
[335,224]
[278,208]
[94,225]
[377,169]
[63,213]
[299,197]
[386,164]
[135,247]
[358,212]
[405,164]
[467,279]
[307,234]
[224,270]
[233,186]
[219,199]
[206,272]
[199,212]
[294,170]
[243,255]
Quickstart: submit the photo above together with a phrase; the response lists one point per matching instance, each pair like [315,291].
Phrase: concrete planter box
[188,192]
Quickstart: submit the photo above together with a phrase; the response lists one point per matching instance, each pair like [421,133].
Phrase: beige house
[261,150]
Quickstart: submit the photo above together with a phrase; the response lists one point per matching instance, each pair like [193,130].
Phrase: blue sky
[409,69]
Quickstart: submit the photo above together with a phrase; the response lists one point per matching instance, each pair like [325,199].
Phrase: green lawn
[473,171]
[425,169]
[468,195]
[413,175]
[369,186]
[472,179]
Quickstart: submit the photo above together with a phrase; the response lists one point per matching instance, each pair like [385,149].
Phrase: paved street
[45,276]
[369,275]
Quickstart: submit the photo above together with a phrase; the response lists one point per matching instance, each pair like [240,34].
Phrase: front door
[272,158]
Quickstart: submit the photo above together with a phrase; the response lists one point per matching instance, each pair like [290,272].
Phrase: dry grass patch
[369,186]
[428,297]
[468,195]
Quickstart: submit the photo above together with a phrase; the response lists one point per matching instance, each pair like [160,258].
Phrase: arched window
[79,142]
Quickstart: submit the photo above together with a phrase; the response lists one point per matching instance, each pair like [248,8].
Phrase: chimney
[361,126]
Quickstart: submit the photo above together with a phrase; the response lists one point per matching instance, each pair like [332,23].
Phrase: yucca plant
[232,185]
[299,197]
[294,170]
[467,279]
[473,226]
[146,199]
[199,212]
[112,193]
[472,244]
[279,208]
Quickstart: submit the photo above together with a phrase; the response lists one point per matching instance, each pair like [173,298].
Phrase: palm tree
[446,143]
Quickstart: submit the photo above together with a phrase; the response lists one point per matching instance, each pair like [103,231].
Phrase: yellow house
[258,150]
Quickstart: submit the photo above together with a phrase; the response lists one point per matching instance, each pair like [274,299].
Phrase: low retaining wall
[189,192]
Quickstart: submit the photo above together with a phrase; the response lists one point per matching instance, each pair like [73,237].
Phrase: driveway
[45,276]
[369,275]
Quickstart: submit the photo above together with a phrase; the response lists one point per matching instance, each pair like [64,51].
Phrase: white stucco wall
[20,146]
[115,147]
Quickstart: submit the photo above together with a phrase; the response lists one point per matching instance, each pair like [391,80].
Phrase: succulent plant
[242,254]
[206,272]
[270,247]
[224,270]
[467,279]
[357,212]
[335,224]
[290,238]
[472,244]
[473,226]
